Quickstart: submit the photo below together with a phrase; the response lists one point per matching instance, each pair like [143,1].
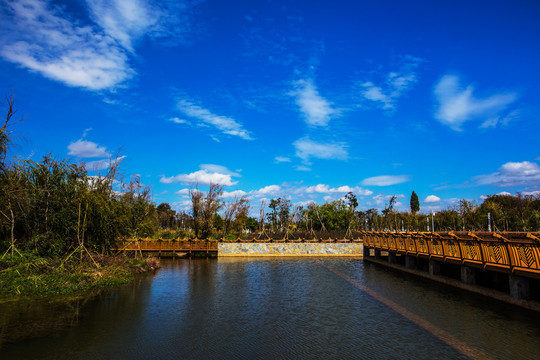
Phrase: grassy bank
[31,276]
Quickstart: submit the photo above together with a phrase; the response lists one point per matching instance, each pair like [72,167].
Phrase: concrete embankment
[290,249]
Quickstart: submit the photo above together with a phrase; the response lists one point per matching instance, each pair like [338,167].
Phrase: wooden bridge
[511,253]
[169,246]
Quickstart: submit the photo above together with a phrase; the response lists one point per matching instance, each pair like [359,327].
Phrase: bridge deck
[513,253]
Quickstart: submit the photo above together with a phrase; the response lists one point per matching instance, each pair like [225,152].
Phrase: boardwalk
[512,253]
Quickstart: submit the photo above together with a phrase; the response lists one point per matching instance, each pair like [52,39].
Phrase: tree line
[212,217]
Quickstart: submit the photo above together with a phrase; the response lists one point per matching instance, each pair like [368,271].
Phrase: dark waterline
[281,309]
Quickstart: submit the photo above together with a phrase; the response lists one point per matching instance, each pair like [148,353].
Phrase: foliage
[415,203]
[44,276]
[53,207]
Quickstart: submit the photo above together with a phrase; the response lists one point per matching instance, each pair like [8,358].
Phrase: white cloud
[325,189]
[127,21]
[177,120]
[512,174]
[225,124]
[44,38]
[218,169]
[202,177]
[458,105]
[316,109]
[182,192]
[305,203]
[432,199]
[532,193]
[386,180]
[381,200]
[307,148]
[233,194]
[374,93]
[101,164]
[280,159]
[267,190]
[45,41]
[395,84]
[87,149]
[302,168]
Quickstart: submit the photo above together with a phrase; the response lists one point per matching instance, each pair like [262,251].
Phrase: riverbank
[39,277]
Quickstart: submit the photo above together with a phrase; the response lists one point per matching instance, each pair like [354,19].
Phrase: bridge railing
[166,245]
[506,252]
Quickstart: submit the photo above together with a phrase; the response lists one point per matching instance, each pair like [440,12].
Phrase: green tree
[415,203]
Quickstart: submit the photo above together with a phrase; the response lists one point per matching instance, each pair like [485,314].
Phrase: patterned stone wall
[290,249]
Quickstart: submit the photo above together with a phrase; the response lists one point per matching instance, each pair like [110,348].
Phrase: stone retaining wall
[290,249]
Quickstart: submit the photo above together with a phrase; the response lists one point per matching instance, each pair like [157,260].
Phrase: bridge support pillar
[434,267]
[377,254]
[410,262]
[468,275]
[392,258]
[366,251]
[519,287]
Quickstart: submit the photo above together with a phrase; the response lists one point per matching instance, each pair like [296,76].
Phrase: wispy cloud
[102,164]
[307,149]
[128,21]
[325,189]
[280,159]
[177,120]
[233,194]
[317,110]
[456,105]
[512,174]
[225,124]
[45,41]
[380,201]
[395,85]
[219,169]
[87,149]
[44,38]
[500,120]
[386,180]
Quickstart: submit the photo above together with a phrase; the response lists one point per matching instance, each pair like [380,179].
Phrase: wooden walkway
[172,246]
[512,253]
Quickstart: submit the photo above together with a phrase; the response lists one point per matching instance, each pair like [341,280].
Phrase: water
[278,309]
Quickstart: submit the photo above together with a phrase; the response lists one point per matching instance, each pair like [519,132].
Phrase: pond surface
[288,308]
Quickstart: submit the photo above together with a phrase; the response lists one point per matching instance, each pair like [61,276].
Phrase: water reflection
[281,308]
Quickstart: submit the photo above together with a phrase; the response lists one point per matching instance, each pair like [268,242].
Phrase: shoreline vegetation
[32,277]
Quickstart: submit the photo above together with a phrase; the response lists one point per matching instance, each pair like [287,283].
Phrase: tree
[5,132]
[415,203]
[210,206]
[353,204]
[390,210]
[236,211]
[196,208]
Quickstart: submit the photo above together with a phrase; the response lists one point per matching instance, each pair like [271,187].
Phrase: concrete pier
[290,249]
[519,287]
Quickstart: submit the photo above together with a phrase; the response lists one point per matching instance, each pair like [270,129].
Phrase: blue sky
[300,99]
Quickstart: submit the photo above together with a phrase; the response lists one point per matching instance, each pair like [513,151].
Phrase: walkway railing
[160,245]
[516,253]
